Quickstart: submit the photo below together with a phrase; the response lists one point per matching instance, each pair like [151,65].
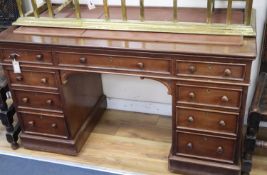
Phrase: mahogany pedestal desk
[59,98]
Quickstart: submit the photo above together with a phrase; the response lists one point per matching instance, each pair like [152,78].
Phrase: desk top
[177,43]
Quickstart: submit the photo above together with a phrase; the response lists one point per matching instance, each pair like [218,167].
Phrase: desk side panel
[81,92]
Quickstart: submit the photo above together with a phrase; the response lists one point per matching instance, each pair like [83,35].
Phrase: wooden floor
[124,142]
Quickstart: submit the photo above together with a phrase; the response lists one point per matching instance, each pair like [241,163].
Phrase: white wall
[133,94]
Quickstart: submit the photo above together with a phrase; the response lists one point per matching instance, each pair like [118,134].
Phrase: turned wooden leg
[250,142]
[12,137]
[7,119]
[3,98]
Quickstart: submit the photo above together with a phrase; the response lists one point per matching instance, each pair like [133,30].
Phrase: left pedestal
[57,110]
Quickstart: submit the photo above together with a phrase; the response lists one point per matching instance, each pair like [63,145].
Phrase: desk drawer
[208,96]
[162,66]
[227,71]
[34,78]
[28,56]
[35,99]
[43,124]
[205,147]
[201,120]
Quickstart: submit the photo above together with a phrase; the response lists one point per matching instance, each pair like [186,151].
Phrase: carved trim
[64,76]
[165,82]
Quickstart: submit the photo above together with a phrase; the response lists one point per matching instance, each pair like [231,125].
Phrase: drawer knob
[39,57]
[192,95]
[54,125]
[14,56]
[224,99]
[189,146]
[140,65]
[190,119]
[19,78]
[49,102]
[192,69]
[222,123]
[83,60]
[31,123]
[227,72]
[25,100]
[44,80]
[220,150]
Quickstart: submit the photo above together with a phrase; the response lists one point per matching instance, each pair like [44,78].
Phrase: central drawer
[36,99]
[42,124]
[206,147]
[209,96]
[162,66]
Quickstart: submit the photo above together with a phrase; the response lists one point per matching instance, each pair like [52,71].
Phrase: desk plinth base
[178,164]
[66,146]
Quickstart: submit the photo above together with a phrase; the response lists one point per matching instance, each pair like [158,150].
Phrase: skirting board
[139,106]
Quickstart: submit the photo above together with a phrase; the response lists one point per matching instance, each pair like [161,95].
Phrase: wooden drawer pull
[140,65]
[192,95]
[192,69]
[31,123]
[14,56]
[39,57]
[189,146]
[190,119]
[224,99]
[44,80]
[83,60]
[227,72]
[49,102]
[220,150]
[54,125]
[19,78]
[222,123]
[25,100]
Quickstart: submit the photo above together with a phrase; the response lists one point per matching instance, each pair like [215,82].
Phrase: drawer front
[33,78]
[228,71]
[43,124]
[28,56]
[36,99]
[209,96]
[196,119]
[162,66]
[206,147]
